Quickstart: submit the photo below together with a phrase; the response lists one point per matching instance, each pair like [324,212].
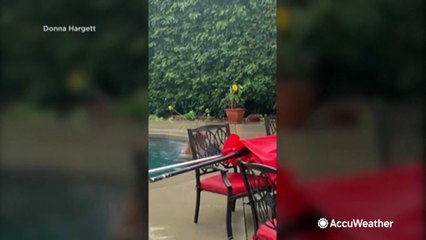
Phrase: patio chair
[270,125]
[260,184]
[207,141]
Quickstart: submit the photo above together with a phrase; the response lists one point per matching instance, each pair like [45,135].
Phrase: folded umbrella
[262,149]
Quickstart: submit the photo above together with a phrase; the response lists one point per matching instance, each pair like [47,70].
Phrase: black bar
[193,167]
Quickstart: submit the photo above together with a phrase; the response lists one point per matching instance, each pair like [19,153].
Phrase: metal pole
[159,169]
[193,167]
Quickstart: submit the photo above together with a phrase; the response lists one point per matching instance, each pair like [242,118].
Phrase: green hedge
[198,48]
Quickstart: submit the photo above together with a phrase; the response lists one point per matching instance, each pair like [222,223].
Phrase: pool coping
[168,136]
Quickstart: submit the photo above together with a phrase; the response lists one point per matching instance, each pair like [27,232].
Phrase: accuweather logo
[354,223]
[322,223]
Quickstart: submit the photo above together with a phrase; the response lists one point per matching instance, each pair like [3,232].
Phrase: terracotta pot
[235,115]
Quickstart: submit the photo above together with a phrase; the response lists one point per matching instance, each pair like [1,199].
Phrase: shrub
[190,115]
[198,48]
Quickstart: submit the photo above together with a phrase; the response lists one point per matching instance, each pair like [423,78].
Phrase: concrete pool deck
[178,129]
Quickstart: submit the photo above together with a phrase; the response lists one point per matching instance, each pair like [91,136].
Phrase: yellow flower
[170,107]
[234,87]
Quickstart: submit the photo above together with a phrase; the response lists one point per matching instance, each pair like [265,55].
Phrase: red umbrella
[262,149]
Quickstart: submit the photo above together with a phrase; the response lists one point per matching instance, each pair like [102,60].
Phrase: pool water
[163,152]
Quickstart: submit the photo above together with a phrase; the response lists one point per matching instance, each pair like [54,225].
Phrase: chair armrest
[225,179]
[218,168]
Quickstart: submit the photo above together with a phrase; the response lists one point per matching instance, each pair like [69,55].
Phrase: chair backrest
[270,125]
[260,184]
[206,141]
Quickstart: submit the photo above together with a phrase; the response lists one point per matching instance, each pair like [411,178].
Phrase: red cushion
[215,183]
[265,232]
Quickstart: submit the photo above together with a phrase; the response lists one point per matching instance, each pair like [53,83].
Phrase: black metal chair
[208,141]
[270,125]
[260,183]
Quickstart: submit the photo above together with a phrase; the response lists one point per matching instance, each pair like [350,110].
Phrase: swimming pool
[163,152]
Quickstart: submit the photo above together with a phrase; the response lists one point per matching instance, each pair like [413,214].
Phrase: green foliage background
[198,48]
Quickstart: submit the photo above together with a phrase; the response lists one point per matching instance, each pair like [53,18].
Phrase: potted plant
[235,110]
